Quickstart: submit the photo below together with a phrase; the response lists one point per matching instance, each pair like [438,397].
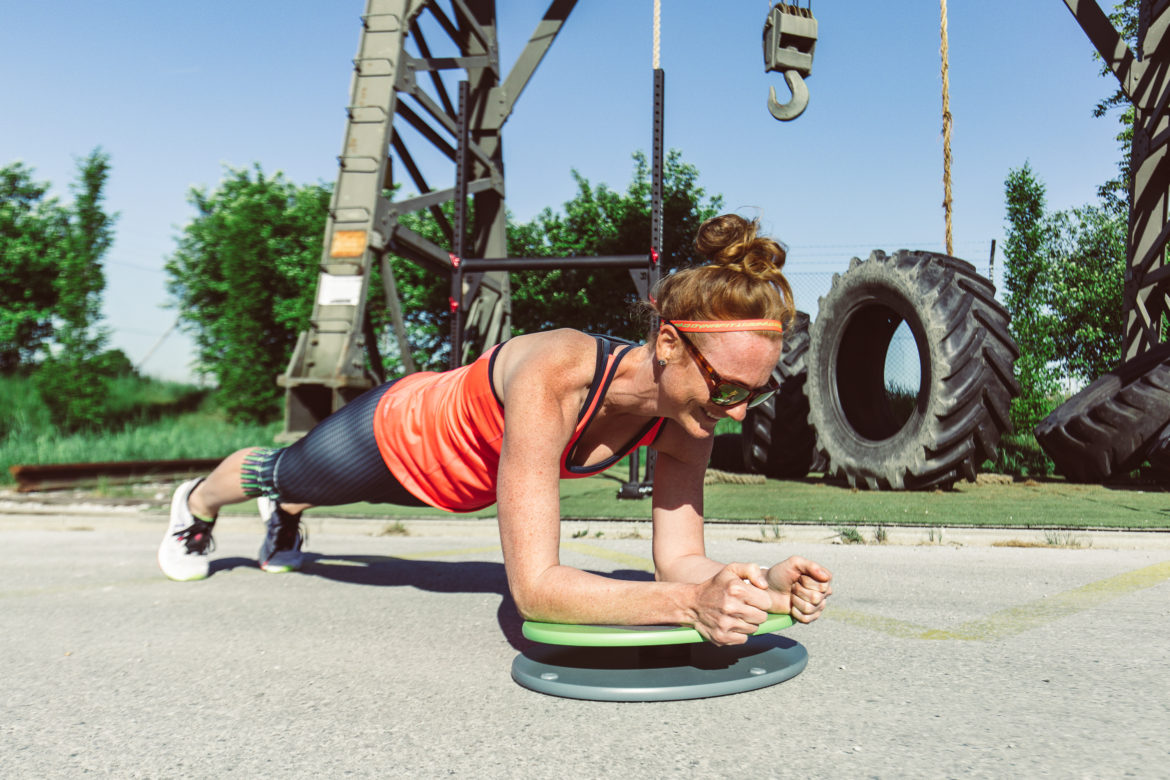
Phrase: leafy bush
[1020,454]
[132,400]
[73,386]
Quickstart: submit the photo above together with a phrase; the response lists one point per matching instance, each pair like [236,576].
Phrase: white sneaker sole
[180,568]
[177,577]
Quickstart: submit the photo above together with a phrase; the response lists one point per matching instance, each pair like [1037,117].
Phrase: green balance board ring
[629,636]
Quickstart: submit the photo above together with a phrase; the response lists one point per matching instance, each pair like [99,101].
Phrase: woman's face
[743,357]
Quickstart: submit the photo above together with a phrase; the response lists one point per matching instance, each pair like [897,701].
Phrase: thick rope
[657,32]
[717,477]
[946,116]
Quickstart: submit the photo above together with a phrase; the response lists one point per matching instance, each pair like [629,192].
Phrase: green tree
[73,380]
[601,221]
[82,279]
[1063,287]
[1087,253]
[1028,286]
[243,277]
[51,283]
[34,233]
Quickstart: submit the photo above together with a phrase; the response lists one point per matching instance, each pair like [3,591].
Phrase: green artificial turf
[1050,503]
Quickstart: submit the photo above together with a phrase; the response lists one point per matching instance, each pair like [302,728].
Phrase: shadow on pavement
[227,564]
[433,576]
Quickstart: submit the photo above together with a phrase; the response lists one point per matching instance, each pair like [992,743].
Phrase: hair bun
[731,240]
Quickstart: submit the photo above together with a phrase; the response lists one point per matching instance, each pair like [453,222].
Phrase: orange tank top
[440,434]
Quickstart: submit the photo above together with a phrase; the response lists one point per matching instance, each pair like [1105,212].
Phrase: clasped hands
[733,603]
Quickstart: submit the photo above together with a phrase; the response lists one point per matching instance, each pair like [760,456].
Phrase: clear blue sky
[176,91]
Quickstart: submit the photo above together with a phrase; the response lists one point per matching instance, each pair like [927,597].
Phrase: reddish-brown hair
[742,280]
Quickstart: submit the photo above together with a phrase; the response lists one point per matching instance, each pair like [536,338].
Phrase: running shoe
[281,551]
[183,553]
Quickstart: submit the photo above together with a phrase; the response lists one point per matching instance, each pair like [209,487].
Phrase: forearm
[687,568]
[562,594]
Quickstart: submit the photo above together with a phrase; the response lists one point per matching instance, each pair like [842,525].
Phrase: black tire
[1108,428]
[777,440]
[966,384]
[726,453]
[1158,455]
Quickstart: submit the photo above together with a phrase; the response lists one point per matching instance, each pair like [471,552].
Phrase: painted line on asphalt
[53,590]
[1012,621]
[999,625]
[899,629]
[633,561]
[1017,620]
[448,553]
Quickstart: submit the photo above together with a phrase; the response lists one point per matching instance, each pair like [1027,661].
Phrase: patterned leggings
[337,462]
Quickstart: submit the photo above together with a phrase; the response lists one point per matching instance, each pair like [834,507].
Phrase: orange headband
[723,326]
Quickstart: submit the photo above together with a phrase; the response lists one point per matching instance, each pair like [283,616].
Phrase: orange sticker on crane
[348,243]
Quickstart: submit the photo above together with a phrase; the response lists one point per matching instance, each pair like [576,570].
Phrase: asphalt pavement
[390,656]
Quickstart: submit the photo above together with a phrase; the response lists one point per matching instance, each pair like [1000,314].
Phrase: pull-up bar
[475,265]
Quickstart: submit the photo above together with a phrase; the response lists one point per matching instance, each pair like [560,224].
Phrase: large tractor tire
[1109,427]
[1158,455]
[966,382]
[777,440]
[727,453]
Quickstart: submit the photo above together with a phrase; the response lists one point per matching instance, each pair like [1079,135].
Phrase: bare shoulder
[557,361]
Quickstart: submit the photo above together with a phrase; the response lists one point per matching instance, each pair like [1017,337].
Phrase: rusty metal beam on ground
[64,476]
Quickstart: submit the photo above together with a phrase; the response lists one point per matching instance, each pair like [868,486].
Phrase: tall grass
[902,399]
[156,421]
[20,407]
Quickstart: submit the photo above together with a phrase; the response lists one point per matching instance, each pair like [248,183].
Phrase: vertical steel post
[487,315]
[656,212]
[637,485]
[460,242]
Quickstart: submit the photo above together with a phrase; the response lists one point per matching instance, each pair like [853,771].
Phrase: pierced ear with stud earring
[661,362]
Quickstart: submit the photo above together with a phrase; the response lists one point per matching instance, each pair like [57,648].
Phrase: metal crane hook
[790,40]
[786,112]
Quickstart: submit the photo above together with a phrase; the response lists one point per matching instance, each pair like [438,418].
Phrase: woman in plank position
[542,407]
